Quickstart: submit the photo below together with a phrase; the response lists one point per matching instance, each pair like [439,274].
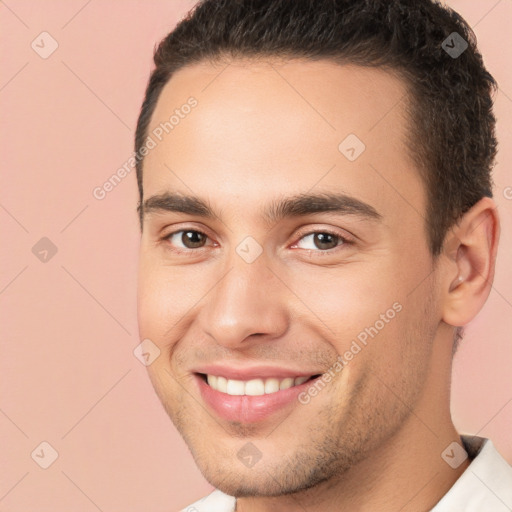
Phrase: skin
[264,130]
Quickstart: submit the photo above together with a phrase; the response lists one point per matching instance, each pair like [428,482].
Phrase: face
[269,289]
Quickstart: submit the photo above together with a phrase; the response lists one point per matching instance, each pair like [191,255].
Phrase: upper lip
[253,372]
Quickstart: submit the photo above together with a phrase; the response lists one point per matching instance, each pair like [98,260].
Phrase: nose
[248,301]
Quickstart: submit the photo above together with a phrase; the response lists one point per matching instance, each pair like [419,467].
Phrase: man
[317,226]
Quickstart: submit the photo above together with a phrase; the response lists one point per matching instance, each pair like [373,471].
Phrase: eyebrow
[295,206]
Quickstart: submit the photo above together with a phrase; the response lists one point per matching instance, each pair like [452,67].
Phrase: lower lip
[249,409]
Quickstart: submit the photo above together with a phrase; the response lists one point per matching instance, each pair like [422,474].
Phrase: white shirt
[485,485]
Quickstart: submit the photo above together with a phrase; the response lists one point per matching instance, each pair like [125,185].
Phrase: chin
[261,480]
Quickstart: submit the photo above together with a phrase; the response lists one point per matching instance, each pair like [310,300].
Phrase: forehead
[281,127]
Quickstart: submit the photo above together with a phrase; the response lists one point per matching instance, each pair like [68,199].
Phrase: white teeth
[222,384]
[271,386]
[235,387]
[286,383]
[254,387]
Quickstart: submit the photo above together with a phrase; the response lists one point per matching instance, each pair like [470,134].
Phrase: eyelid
[165,238]
[187,227]
[343,235]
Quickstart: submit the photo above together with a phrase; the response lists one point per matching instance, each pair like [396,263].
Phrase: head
[341,118]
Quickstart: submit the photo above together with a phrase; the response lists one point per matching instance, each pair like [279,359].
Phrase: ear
[471,247]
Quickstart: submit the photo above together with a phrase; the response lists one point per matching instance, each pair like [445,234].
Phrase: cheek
[167,301]
[156,303]
[347,299]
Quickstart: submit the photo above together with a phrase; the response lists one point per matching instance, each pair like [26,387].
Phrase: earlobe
[471,250]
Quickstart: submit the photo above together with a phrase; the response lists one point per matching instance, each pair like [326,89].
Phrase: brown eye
[192,239]
[321,240]
[325,240]
[186,239]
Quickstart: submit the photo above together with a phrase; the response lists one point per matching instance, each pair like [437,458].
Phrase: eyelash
[344,241]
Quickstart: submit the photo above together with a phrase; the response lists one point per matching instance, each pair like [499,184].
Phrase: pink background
[68,373]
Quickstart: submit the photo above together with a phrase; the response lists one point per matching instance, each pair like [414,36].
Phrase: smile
[253,387]
[253,399]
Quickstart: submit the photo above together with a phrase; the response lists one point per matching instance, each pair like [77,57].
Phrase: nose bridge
[247,300]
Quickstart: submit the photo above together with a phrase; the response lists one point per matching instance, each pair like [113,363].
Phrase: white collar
[486,484]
